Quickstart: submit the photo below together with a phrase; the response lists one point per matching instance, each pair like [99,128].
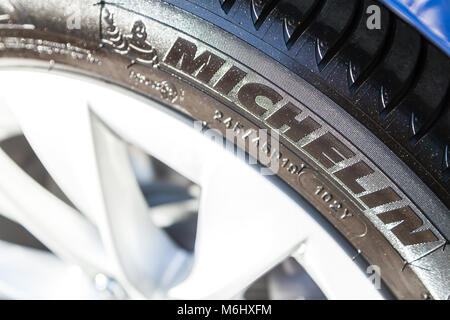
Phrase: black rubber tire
[371,102]
[392,80]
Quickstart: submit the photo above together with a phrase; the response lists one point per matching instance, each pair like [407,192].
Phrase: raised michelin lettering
[326,150]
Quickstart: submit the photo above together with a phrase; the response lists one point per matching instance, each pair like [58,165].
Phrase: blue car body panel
[430,17]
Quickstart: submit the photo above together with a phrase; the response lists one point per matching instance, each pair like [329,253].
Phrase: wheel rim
[247,225]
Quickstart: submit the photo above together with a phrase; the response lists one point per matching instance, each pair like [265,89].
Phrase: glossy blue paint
[430,17]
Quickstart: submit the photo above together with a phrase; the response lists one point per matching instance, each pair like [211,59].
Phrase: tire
[363,115]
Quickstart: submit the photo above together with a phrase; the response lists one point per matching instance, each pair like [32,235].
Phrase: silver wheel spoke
[142,250]
[241,231]
[325,261]
[92,167]
[61,137]
[169,214]
[154,131]
[57,225]
[34,274]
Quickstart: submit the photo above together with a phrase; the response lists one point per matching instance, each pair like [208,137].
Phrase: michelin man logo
[134,44]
